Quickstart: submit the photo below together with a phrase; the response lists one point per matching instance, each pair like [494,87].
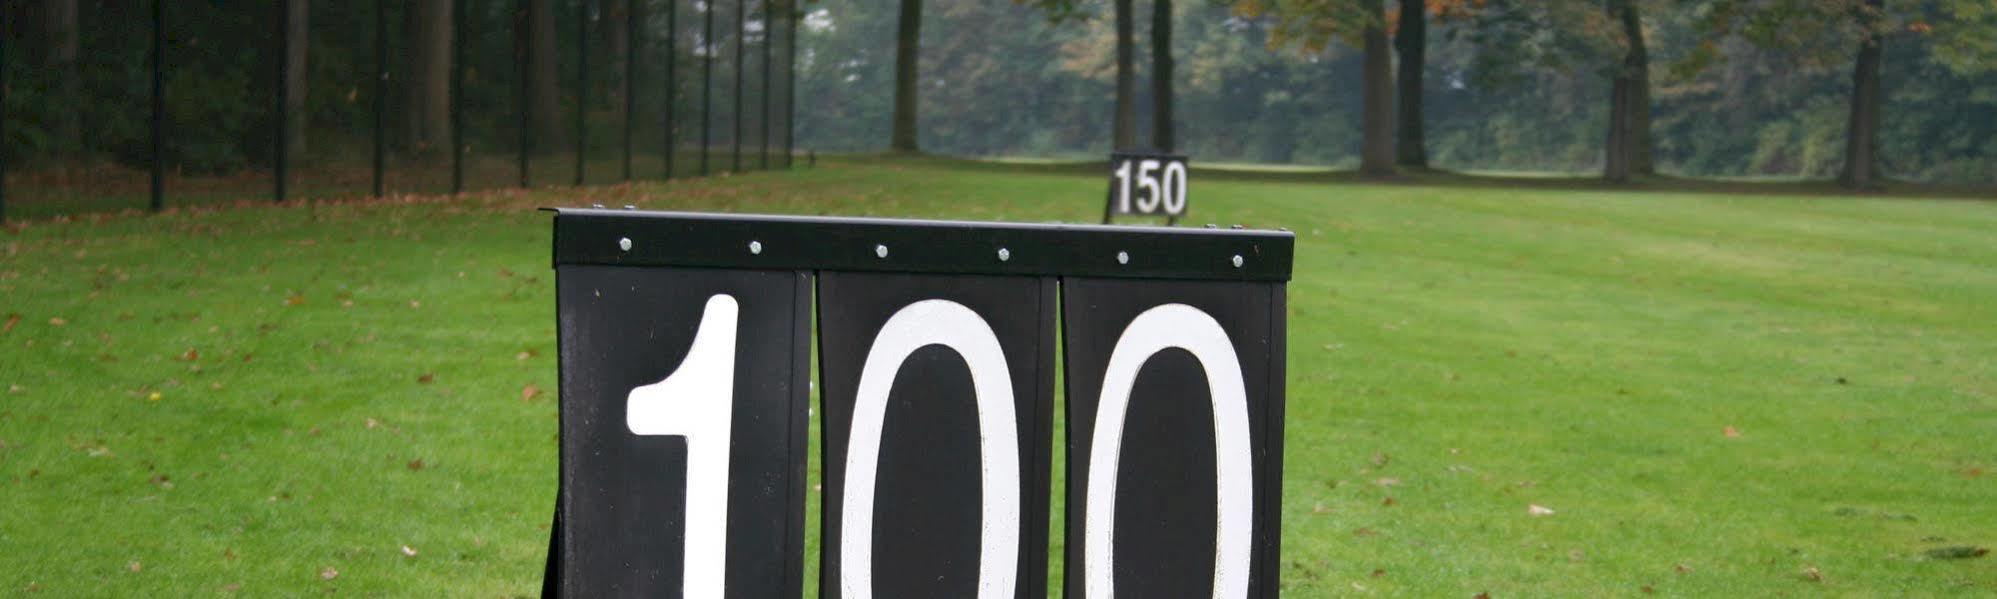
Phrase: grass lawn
[1714,394]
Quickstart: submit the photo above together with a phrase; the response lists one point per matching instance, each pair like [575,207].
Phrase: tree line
[544,74]
[1512,46]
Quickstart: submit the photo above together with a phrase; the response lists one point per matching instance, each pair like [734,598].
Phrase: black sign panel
[685,393]
[1146,183]
[938,402]
[683,423]
[1175,436]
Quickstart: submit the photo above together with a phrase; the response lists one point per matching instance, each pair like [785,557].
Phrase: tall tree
[1411,44]
[1861,144]
[615,26]
[1162,130]
[60,26]
[297,28]
[1627,151]
[1123,131]
[907,52]
[543,88]
[426,114]
[1313,24]
[1376,152]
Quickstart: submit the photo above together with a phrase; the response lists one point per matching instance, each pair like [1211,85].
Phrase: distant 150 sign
[1147,184]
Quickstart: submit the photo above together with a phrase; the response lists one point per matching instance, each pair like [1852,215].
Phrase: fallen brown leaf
[529,392]
[190,355]
[134,566]
[1731,432]
[1813,574]
[416,464]
[329,573]
[425,378]
[58,321]
[12,319]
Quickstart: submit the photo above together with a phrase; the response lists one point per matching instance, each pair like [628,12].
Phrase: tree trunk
[298,27]
[907,50]
[426,113]
[1861,146]
[1376,154]
[616,29]
[60,62]
[1616,150]
[1627,151]
[543,88]
[1123,129]
[1162,131]
[1638,65]
[1411,42]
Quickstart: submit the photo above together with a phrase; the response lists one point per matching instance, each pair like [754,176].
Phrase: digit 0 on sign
[949,324]
[1174,184]
[1156,330]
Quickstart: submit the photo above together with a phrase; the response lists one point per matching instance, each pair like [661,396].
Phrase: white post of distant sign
[1146,184]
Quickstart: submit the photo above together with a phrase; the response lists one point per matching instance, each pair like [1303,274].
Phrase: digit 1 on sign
[1122,186]
[697,401]
[1175,187]
[1145,181]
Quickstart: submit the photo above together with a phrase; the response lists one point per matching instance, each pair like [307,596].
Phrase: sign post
[685,391]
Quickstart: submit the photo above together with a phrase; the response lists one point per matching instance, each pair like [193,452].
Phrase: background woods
[553,91]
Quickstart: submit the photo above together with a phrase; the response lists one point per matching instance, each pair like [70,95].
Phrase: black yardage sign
[1146,184]
[686,388]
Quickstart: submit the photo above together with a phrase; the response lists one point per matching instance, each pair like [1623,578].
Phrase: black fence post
[672,80]
[582,83]
[706,80]
[280,136]
[769,37]
[735,149]
[521,46]
[790,86]
[3,124]
[158,187]
[458,95]
[631,42]
[380,94]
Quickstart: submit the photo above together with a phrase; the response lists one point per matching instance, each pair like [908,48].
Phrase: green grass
[1465,352]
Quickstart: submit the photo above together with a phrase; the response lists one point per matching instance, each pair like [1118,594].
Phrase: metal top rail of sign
[596,236]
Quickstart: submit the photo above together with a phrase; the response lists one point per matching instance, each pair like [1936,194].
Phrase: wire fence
[109,105]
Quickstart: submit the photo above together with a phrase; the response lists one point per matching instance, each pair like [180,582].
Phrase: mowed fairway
[1713,395]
